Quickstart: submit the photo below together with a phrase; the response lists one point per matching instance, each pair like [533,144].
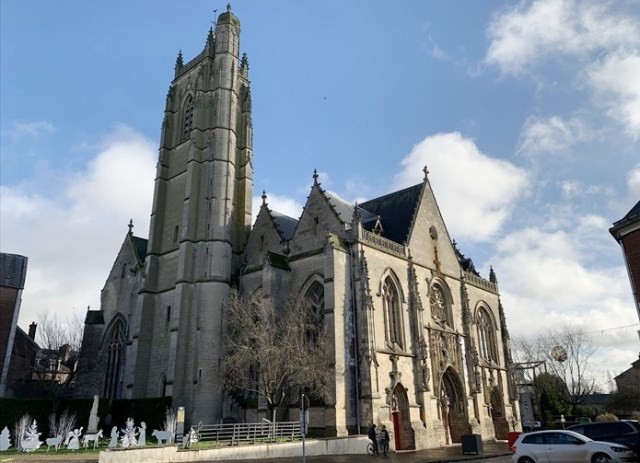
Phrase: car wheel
[526,460]
[600,458]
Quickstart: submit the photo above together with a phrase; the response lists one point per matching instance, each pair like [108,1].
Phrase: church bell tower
[199,224]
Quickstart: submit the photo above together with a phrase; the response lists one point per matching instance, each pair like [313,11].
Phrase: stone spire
[179,63]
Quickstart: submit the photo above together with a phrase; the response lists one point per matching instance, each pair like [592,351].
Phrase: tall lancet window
[314,297]
[393,311]
[187,117]
[486,336]
[114,352]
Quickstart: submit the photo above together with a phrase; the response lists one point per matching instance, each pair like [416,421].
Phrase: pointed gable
[269,232]
[395,210]
[323,214]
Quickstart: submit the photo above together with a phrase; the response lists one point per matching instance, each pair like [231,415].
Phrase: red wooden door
[396,429]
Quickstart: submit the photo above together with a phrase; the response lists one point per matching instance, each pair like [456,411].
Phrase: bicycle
[372,449]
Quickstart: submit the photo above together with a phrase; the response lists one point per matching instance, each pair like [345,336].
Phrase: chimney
[64,352]
[32,330]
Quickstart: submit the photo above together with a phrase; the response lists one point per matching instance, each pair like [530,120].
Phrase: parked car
[567,447]
[625,432]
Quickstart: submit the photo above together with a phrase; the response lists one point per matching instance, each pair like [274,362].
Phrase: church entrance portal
[400,415]
[453,407]
[500,425]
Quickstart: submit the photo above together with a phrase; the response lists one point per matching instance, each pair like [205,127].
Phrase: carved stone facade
[403,307]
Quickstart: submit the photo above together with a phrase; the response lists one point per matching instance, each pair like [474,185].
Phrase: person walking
[373,437]
[384,440]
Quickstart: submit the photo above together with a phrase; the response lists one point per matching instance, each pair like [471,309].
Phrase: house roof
[632,216]
[396,211]
[20,333]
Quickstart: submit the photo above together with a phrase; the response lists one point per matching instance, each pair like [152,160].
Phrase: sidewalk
[451,453]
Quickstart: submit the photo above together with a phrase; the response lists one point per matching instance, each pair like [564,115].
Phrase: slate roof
[342,208]
[286,225]
[634,213]
[632,216]
[94,317]
[465,262]
[396,211]
[140,245]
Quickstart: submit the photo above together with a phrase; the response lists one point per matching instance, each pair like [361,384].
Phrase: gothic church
[418,336]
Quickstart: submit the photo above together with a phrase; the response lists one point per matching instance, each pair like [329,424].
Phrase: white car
[566,447]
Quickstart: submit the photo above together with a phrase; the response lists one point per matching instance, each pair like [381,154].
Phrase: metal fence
[248,433]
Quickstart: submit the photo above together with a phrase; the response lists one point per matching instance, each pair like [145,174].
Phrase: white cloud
[577,189]
[476,192]
[438,53]
[616,80]
[529,31]
[33,129]
[550,135]
[633,182]
[72,239]
[550,276]
[282,204]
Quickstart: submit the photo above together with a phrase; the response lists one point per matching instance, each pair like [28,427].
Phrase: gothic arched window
[439,305]
[187,117]
[114,352]
[486,336]
[314,298]
[393,313]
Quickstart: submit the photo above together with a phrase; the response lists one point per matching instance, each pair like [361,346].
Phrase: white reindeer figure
[95,438]
[166,436]
[54,442]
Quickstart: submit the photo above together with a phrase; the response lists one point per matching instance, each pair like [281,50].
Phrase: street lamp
[304,419]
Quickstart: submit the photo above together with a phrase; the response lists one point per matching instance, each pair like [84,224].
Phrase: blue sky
[527,115]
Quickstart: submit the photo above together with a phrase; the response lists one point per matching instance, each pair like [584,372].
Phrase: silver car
[566,447]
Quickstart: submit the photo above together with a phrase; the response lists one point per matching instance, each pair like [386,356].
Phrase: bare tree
[272,349]
[62,425]
[57,361]
[566,352]
[20,429]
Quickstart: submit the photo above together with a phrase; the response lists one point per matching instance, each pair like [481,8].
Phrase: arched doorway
[500,425]
[453,407]
[400,414]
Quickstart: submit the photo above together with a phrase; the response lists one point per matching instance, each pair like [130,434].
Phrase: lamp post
[303,423]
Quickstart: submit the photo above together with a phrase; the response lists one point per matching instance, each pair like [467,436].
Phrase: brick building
[626,231]
[13,273]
